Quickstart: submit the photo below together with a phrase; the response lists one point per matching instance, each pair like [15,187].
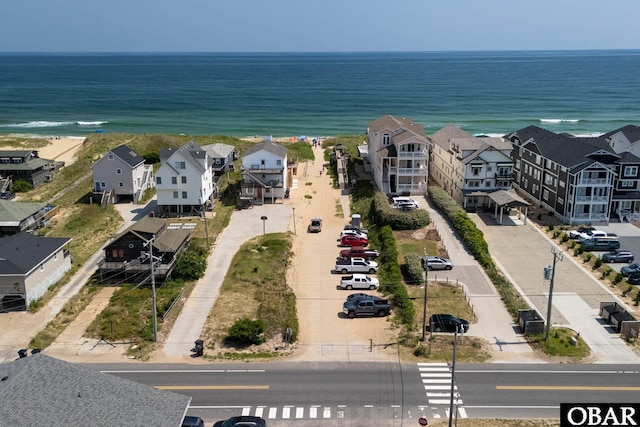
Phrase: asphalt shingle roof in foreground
[39,390]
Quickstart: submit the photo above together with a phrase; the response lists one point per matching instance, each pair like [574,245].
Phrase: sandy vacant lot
[60,148]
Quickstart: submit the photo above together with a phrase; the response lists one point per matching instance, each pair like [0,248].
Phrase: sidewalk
[494,322]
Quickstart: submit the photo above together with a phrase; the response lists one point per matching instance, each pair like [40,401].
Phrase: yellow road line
[212,387]
[565,387]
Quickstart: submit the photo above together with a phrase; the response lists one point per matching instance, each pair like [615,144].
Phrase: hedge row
[413,271]
[473,239]
[390,276]
[384,214]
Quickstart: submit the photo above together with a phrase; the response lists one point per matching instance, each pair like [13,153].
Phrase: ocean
[318,94]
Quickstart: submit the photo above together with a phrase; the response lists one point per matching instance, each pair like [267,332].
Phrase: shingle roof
[39,390]
[565,150]
[218,150]
[22,252]
[14,212]
[632,132]
[270,146]
[444,135]
[128,155]
[401,129]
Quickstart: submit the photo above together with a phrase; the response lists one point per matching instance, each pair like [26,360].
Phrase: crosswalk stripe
[259,411]
[437,381]
[286,412]
[272,412]
[313,412]
[462,413]
[299,412]
[439,387]
[246,411]
[327,412]
[436,375]
[432,364]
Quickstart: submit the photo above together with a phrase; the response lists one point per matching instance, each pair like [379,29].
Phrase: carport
[508,199]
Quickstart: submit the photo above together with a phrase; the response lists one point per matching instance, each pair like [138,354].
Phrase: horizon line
[195,52]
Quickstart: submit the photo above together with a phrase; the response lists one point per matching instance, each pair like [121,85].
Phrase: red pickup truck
[359,252]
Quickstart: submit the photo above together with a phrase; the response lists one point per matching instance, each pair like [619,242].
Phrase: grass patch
[254,287]
[308,196]
[339,211]
[408,246]
[559,344]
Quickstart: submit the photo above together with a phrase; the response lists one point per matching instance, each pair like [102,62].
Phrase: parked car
[361,295]
[437,263]
[352,233]
[353,241]
[356,265]
[628,269]
[358,229]
[597,234]
[618,255]
[447,323]
[190,421]
[366,307]
[358,281]
[6,195]
[601,244]
[404,200]
[242,421]
[580,232]
[359,252]
[634,278]
[315,226]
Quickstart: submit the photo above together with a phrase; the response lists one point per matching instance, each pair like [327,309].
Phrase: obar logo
[599,414]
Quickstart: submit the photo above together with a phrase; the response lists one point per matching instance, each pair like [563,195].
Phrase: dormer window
[386,139]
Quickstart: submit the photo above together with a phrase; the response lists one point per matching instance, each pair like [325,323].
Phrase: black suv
[447,323]
[242,421]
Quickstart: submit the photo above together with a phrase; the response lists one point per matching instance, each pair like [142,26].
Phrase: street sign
[423,421]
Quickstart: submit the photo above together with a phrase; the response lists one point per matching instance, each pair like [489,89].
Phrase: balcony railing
[410,187]
[421,153]
[590,216]
[412,171]
[596,181]
[592,199]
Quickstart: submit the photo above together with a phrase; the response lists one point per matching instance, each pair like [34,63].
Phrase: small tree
[21,186]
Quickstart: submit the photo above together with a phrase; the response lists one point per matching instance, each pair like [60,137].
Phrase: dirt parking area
[325,334]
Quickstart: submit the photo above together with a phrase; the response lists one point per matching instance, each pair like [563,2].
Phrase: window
[630,170]
[475,170]
[120,184]
[181,165]
[175,194]
[184,194]
[545,194]
[262,162]
[626,184]
[487,184]
[386,139]
[110,156]
[561,184]
[118,171]
[560,201]
[117,253]
[489,168]
[103,184]
[183,179]
[174,180]
[538,159]
[279,162]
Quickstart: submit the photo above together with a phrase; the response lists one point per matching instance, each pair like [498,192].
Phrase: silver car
[437,263]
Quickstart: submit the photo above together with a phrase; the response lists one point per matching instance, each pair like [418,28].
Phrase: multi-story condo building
[399,155]
[470,168]
[579,180]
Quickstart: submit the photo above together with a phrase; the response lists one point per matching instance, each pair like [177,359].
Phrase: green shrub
[413,272]
[384,214]
[550,227]
[626,291]
[587,257]
[190,265]
[246,332]
[21,186]
[618,278]
[636,300]
[597,264]
[565,237]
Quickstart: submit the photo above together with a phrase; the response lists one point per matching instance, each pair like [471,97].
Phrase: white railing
[421,153]
[413,171]
[598,181]
[592,198]
[409,187]
[590,216]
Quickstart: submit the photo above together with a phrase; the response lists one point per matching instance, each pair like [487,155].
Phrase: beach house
[580,180]
[184,181]
[128,255]
[264,172]
[121,175]
[470,168]
[26,165]
[222,157]
[399,155]
[29,265]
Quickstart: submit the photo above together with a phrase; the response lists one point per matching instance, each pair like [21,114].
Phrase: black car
[634,278]
[242,421]
[190,421]
[630,269]
[447,323]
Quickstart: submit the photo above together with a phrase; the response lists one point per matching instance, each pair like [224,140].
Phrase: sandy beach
[60,148]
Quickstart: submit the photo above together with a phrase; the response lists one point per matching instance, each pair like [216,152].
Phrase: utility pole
[453,377]
[550,273]
[425,267]
[153,289]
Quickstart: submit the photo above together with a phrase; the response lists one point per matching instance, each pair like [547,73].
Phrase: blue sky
[310,26]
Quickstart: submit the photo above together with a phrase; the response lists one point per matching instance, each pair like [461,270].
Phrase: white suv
[404,203]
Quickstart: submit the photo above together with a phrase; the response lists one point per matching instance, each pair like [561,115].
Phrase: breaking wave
[94,123]
[559,120]
[36,124]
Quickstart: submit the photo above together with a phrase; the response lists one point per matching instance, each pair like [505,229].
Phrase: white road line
[437,381]
[272,413]
[436,375]
[462,413]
